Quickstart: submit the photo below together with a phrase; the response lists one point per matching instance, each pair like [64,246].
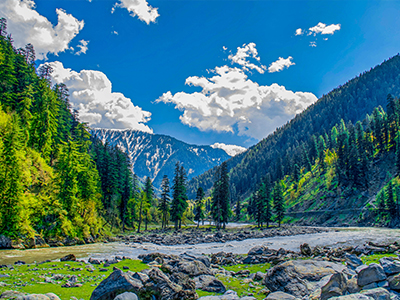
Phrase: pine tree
[149,190]
[390,203]
[238,210]
[164,203]
[179,196]
[11,183]
[278,202]
[199,206]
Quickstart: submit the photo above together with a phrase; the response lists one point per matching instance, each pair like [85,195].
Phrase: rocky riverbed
[309,273]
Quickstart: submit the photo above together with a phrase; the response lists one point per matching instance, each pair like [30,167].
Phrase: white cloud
[224,48]
[83,47]
[231,150]
[323,29]
[299,31]
[313,44]
[27,26]
[91,94]
[230,102]
[115,32]
[280,64]
[243,53]
[139,8]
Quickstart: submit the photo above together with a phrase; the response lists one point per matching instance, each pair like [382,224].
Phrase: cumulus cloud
[313,44]
[27,26]
[83,46]
[323,29]
[230,102]
[242,55]
[139,8]
[280,64]
[299,31]
[91,94]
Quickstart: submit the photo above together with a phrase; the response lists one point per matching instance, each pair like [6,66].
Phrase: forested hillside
[346,176]
[276,153]
[55,182]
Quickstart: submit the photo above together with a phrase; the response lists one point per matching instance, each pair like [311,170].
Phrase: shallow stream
[335,238]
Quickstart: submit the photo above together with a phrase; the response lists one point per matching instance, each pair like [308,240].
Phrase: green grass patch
[369,259]
[253,268]
[32,278]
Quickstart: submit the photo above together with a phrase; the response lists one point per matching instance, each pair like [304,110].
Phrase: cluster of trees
[274,154]
[49,183]
[267,204]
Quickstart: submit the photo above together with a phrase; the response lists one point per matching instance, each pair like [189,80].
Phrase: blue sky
[148,55]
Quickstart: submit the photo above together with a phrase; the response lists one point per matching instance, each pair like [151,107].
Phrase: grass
[252,268]
[374,258]
[31,278]
[242,286]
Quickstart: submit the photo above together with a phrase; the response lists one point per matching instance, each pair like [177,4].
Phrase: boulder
[11,295]
[373,273]
[209,283]
[353,297]
[204,259]
[69,257]
[117,283]
[260,250]
[352,286]
[336,286]
[298,277]
[191,268]
[377,294]
[163,288]
[34,297]
[280,296]
[53,296]
[390,265]
[352,260]
[394,282]
[126,296]
[5,242]
[229,295]
[305,249]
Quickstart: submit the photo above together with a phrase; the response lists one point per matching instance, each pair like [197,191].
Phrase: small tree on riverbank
[199,208]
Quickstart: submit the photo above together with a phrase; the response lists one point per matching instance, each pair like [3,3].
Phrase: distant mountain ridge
[155,155]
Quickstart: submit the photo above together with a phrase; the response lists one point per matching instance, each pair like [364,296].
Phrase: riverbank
[319,272]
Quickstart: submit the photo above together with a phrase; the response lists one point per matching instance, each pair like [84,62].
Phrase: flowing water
[336,238]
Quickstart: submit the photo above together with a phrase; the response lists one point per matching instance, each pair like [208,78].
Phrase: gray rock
[209,283]
[248,298]
[191,268]
[34,297]
[377,294]
[126,296]
[53,296]
[117,283]
[260,250]
[374,273]
[229,295]
[352,286]
[336,286]
[394,282]
[352,260]
[390,265]
[353,297]
[5,242]
[305,249]
[372,285]
[294,277]
[11,295]
[204,259]
[280,296]
[69,257]
[160,284]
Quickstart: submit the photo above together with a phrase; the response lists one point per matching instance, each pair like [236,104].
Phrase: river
[337,237]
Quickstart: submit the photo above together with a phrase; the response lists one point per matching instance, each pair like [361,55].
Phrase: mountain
[274,154]
[232,150]
[155,155]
